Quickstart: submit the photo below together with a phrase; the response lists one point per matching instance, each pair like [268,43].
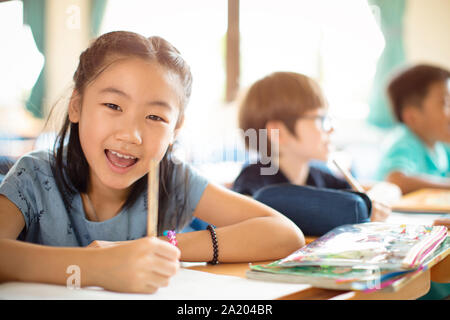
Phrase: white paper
[185,285]
[415,218]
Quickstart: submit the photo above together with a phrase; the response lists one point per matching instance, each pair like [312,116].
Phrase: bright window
[20,61]
[335,42]
[20,65]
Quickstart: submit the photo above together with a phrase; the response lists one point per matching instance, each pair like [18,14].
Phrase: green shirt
[404,151]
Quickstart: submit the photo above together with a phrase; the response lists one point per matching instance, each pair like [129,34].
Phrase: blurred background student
[294,106]
[417,154]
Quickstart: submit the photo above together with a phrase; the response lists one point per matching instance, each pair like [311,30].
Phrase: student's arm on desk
[409,183]
[247,230]
[141,265]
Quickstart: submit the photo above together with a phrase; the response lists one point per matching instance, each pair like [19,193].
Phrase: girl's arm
[247,230]
[21,261]
[141,265]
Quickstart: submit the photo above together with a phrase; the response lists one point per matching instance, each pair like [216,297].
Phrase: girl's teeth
[121,155]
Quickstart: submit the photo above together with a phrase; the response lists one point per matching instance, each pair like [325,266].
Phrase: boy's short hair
[410,86]
[282,96]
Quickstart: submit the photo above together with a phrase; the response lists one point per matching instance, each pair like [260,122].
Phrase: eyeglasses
[324,122]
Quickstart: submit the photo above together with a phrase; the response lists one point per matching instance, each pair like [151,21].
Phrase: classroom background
[350,47]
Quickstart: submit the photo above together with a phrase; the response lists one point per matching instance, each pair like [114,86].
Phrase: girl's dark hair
[410,86]
[72,174]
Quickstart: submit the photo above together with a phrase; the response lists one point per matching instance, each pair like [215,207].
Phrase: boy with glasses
[292,105]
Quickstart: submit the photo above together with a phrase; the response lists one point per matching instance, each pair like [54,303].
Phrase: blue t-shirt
[31,186]
[406,152]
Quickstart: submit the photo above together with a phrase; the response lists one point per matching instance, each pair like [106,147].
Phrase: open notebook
[360,257]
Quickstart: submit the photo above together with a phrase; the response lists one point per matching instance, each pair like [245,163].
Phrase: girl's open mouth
[118,162]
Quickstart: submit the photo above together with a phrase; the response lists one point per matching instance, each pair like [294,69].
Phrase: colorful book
[360,257]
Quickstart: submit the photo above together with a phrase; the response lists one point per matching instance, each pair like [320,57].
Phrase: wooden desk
[441,271]
[425,200]
[413,289]
[308,240]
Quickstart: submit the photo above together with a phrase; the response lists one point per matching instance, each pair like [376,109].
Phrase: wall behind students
[427,28]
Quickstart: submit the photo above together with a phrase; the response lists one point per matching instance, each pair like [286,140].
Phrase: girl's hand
[380,211]
[137,266]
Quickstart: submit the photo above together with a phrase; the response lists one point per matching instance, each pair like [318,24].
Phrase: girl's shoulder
[42,157]
[36,162]
[38,155]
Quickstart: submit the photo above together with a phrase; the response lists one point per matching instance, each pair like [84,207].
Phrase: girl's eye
[155,118]
[112,106]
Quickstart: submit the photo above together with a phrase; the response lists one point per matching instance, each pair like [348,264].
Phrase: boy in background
[293,105]
[418,151]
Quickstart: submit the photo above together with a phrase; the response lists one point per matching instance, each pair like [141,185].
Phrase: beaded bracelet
[215,259]
[171,235]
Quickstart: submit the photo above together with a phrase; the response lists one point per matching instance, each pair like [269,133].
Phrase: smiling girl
[57,207]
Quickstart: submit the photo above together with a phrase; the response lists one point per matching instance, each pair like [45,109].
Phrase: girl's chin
[118,185]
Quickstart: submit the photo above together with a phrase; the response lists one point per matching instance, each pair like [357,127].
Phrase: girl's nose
[130,136]
[129,132]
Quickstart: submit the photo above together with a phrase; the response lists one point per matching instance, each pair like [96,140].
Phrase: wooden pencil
[348,176]
[153,195]
[355,184]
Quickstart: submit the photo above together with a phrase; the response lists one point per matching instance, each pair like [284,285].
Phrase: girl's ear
[74,107]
